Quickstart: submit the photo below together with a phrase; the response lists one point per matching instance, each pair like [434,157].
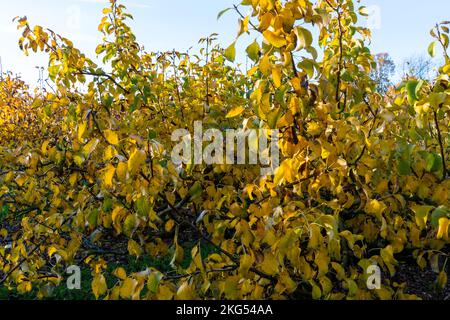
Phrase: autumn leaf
[275,40]
[99,286]
[237,111]
[112,137]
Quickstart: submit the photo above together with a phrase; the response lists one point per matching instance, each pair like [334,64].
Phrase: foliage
[86,166]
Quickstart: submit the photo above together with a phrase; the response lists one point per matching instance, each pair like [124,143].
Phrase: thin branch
[111,78]
[341,55]
[196,273]
[441,145]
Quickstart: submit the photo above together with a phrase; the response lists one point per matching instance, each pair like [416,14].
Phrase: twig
[441,145]
[181,276]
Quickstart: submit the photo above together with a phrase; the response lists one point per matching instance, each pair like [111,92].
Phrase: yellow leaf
[128,287]
[122,171]
[78,159]
[265,66]
[44,147]
[112,137]
[178,255]
[387,254]
[322,260]
[243,25]
[110,152]
[326,284]
[20,180]
[184,292]
[99,286]
[73,179]
[164,293]
[90,147]
[316,292]
[51,251]
[421,215]
[270,264]
[81,130]
[314,129]
[134,248]
[245,264]
[179,252]
[169,225]
[376,208]
[276,75]
[24,287]
[275,40]
[235,112]
[120,273]
[443,228]
[108,175]
[442,280]
[197,259]
[314,236]
[136,160]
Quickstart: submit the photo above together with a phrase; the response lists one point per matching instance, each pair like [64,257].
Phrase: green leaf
[404,167]
[108,100]
[308,66]
[253,51]
[230,52]
[311,50]
[444,40]
[422,211]
[412,88]
[432,49]
[441,212]
[347,76]
[221,13]
[93,218]
[433,162]
[153,281]
[107,204]
[4,210]
[143,206]
[436,99]
[130,225]
[152,135]
[364,11]
[196,190]
[304,37]
[273,118]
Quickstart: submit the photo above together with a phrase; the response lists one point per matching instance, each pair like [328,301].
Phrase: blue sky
[401,27]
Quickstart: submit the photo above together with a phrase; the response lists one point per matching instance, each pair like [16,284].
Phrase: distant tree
[383,72]
[419,66]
